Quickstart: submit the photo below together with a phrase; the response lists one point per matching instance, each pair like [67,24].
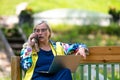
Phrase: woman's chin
[41,40]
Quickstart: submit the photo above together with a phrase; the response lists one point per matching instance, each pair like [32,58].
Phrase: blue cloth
[63,74]
[43,63]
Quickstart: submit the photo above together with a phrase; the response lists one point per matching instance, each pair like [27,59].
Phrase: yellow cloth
[58,51]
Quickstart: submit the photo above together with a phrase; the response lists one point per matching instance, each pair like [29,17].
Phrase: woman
[38,52]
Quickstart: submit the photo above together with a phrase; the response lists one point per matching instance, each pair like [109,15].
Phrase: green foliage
[109,74]
[90,35]
[116,76]
[9,32]
[5,78]
[27,29]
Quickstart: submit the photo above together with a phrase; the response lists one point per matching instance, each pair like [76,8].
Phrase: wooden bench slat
[101,59]
[104,50]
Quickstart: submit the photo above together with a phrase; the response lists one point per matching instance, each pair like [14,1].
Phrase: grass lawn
[8,7]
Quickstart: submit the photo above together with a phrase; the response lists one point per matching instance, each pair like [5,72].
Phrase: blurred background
[93,22]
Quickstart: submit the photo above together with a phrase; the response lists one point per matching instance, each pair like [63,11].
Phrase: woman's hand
[31,40]
[81,51]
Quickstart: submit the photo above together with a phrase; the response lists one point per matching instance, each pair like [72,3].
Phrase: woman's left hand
[81,51]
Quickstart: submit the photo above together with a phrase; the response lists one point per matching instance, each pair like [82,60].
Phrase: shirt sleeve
[25,57]
[72,48]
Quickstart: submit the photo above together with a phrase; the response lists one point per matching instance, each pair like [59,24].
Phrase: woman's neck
[45,46]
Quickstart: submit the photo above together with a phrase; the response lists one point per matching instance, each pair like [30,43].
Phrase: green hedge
[91,35]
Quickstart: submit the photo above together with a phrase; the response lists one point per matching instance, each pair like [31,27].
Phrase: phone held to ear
[36,41]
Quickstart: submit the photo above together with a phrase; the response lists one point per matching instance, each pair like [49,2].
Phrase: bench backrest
[104,54]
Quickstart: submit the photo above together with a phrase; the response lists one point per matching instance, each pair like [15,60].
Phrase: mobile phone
[35,39]
[36,45]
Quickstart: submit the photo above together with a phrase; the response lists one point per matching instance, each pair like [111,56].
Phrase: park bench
[102,63]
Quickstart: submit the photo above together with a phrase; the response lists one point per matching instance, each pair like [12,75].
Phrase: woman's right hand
[31,39]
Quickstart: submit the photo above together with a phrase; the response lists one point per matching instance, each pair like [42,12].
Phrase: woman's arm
[26,52]
[76,48]
[25,57]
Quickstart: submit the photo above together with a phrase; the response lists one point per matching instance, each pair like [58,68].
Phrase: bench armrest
[16,73]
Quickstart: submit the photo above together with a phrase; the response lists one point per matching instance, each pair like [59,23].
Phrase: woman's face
[42,32]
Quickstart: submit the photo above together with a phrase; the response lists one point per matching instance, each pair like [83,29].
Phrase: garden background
[92,35]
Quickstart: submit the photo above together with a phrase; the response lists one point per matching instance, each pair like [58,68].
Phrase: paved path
[5,68]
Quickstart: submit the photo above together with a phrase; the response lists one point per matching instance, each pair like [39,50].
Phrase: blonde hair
[45,24]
